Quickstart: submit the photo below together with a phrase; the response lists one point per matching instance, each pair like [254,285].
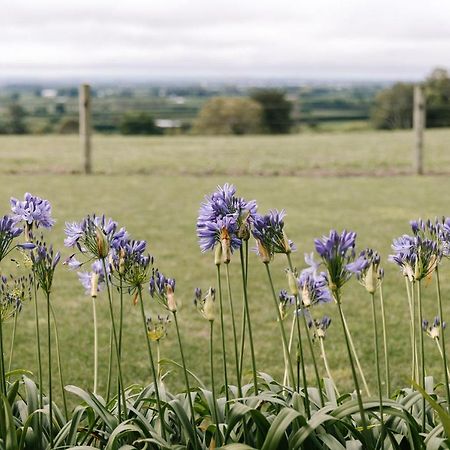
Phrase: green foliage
[138,123]
[276,110]
[229,115]
[16,119]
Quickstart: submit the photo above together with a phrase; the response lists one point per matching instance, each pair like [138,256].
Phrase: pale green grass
[163,209]
[361,152]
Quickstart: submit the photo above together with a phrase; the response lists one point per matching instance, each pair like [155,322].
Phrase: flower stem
[288,361]
[13,340]
[58,357]
[110,362]
[291,339]
[352,364]
[385,343]
[233,323]
[442,355]
[186,378]
[377,362]
[49,350]
[442,336]
[121,386]
[327,367]
[152,365]
[247,313]
[222,334]
[358,364]
[313,356]
[213,388]
[94,316]
[244,317]
[422,352]
[120,315]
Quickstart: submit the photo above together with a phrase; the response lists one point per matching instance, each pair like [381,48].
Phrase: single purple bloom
[32,210]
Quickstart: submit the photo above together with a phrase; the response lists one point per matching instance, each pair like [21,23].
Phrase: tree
[229,115]
[276,110]
[437,88]
[138,123]
[393,107]
[16,119]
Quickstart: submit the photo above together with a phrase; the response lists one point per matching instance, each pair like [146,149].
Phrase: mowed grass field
[153,187]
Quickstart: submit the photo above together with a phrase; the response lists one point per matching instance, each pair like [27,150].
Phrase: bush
[276,110]
[69,126]
[138,123]
[229,115]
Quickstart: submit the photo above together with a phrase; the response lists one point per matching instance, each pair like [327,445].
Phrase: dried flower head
[13,293]
[320,327]
[157,329]
[433,330]
[206,305]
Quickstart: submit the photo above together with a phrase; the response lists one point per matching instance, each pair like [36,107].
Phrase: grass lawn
[153,187]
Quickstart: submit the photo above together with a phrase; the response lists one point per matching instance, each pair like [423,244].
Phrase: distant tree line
[393,107]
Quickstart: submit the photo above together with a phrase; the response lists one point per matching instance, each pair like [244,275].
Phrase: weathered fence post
[85,125]
[419,126]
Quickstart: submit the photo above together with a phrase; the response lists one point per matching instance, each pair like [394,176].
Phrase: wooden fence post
[85,125]
[419,126]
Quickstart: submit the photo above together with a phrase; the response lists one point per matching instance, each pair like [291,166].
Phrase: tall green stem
[442,355]
[121,387]
[233,324]
[327,367]
[377,362]
[244,316]
[313,356]
[13,340]
[50,396]
[358,364]
[222,335]
[412,321]
[152,365]
[120,315]
[442,336]
[110,362]
[291,339]
[385,343]
[350,358]
[249,323]
[186,378]
[288,361]
[58,357]
[94,317]
[298,310]
[422,352]
[213,388]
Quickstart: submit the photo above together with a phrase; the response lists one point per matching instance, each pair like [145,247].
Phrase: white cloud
[284,38]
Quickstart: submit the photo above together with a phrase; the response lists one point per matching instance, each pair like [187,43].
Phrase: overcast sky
[315,39]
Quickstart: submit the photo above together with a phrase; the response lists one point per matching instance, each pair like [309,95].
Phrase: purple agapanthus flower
[367,269]
[417,256]
[162,289]
[93,235]
[269,233]
[32,210]
[320,326]
[338,253]
[8,231]
[44,262]
[313,288]
[224,206]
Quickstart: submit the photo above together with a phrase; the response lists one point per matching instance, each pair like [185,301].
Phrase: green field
[153,187]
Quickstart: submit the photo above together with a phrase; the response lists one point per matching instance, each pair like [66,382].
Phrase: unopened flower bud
[263,252]
[94,284]
[218,255]
[209,309]
[102,244]
[371,279]
[225,242]
[287,247]
[171,303]
[122,261]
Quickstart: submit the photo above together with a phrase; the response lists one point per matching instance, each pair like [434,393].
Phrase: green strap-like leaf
[278,428]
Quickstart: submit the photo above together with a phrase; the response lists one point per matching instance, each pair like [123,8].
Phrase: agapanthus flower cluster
[320,327]
[130,264]
[157,329]
[286,302]
[313,288]
[163,290]
[33,210]
[417,256]
[44,262]
[368,270]
[93,236]
[270,236]
[8,232]
[337,252]
[93,281]
[433,330]
[224,219]
[206,305]
[13,293]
